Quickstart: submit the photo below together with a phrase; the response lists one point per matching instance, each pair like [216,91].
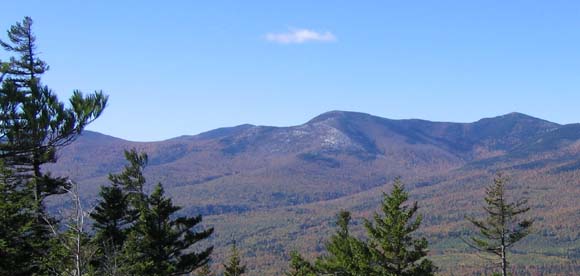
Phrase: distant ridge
[245,175]
[370,148]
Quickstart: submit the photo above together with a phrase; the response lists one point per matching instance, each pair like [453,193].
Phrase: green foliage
[112,216]
[132,179]
[390,250]
[164,241]
[4,66]
[502,228]
[299,266]
[142,232]
[234,267]
[23,42]
[70,254]
[116,212]
[393,249]
[346,254]
[17,217]
[34,124]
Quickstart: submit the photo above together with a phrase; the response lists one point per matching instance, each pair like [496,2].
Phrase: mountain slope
[278,178]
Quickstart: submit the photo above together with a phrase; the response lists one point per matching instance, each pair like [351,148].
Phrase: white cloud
[298,36]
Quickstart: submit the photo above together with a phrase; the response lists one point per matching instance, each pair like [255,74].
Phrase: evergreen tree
[299,266]
[161,245]
[4,66]
[393,249]
[502,227]
[234,266]
[116,213]
[27,65]
[112,217]
[346,254]
[120,202]
[131,180]
[17,214]
[139,234]
[34,124]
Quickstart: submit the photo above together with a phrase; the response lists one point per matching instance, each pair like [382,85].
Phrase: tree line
[133,232]
[391,248]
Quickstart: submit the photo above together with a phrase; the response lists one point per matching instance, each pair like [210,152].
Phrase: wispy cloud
[299,36]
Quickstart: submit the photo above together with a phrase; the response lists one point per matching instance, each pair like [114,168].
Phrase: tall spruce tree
[112,220]
[234,265]
[117,212]
[34,124]
[112,217]
[162,243]
[346,255]
[117,209]
[140,234]
[502,228]
[394,251]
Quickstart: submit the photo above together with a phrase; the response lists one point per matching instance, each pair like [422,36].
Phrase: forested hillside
[278,188]
[345,193]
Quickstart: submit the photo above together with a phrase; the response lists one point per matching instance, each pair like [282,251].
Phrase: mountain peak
[337,114]
[515,113]
[517,117]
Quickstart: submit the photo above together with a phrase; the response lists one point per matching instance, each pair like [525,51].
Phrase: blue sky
[182,67]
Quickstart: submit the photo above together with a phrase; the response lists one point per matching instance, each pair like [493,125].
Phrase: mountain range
[275,189]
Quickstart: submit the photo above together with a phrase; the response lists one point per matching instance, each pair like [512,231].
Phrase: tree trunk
[503,261]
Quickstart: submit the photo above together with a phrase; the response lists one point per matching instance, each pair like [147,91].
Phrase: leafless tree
[73,238]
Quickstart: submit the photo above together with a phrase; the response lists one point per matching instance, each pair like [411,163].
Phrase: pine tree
[393,249]
[299,266]
[162,243]
[4,66]
[34,124]
[27,65]
[502,228]
[234,266]
[346,254]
